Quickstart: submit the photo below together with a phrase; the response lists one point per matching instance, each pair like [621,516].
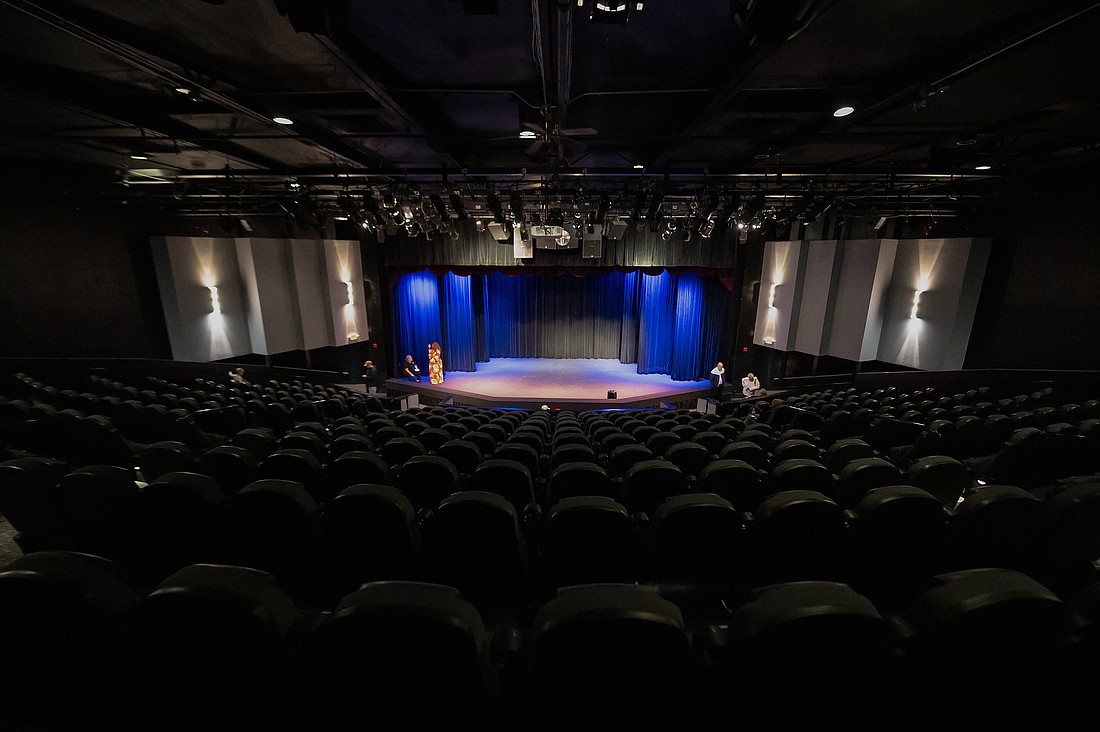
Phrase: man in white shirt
[717,380]
[750,385]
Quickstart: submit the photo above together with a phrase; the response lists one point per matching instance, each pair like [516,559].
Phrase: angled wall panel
[818,290]
[930,330]
[187,270]
[315,316]
[343,283]
[266,273]
[780,287]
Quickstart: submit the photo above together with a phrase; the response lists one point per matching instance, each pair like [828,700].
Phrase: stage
[560,383]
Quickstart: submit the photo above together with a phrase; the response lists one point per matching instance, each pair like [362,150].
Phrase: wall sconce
[214,301]
[771,295]
[769,341]
[916,302]
[352,337]
[351,295]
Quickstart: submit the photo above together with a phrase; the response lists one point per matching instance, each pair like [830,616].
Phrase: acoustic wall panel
[343,283]
[819,281]
[856,309]
[266,272]
[314,314]
[204,306]
[780,288]
[936,283]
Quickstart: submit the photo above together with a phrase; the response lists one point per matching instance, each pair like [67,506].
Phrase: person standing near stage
[717,380]
[435,363]
[750,385]
[371,376]
[409,370]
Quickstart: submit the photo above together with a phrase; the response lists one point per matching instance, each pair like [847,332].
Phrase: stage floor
[570,383]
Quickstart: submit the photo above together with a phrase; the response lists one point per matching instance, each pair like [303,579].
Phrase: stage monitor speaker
[592,247]
[612,394]
[501,232]
[614,229]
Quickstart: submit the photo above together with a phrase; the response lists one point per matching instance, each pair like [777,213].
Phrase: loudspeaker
[612,394]
[501,232]
[592,247]
[614,228]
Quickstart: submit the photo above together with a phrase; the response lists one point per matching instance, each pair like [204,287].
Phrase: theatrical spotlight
[437,204]
[456,205]
[653,215]
[639,206]
[515,207]
[669,229]
[479,225]
[492,202]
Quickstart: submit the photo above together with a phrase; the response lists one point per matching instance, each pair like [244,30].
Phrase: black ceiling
[722,95]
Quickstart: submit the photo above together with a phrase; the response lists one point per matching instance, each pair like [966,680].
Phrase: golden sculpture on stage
[435,364]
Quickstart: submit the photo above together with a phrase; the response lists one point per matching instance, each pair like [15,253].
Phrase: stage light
[670,227]
[916,303]
[215,302]
[614,11]
[639,204]
[527,135]
[282,120]
[492,202]
[639,166]
[479,225]
[982,167]
[654,212]
[515,206]
[604,206]
[437,204]
[843,111]
[456,205]
[771,295]
[966,139]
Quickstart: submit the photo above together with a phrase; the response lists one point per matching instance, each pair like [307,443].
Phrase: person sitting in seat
[750,386]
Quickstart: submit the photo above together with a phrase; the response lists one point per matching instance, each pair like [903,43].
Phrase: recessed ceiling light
[639,166]
[966,139]
[527,135]
[843,111]
[183,90]
[140,157]
[982,167]
[282,120]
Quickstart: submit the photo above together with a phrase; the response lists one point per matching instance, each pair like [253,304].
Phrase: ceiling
[712,98]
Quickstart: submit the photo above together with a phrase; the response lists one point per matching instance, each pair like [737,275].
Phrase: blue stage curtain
[667,323]
[417,314]
[628,330]
[459,346]
[656,315]
[687,339]
[554,316]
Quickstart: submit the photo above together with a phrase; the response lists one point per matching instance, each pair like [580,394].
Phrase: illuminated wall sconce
[916,302]
[351,294]
[769,341]
[214,301]
[771,295]
[352,337]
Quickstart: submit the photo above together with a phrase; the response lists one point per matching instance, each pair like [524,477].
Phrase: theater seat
[607,657]
[210,647]
[585,539]
[807,654]
[63,642]
[402,655]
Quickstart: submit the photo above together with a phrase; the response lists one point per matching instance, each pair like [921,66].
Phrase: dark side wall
[76,279]
[1040,302]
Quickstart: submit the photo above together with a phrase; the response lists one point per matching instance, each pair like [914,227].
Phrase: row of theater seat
[502,554]
[224,647]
